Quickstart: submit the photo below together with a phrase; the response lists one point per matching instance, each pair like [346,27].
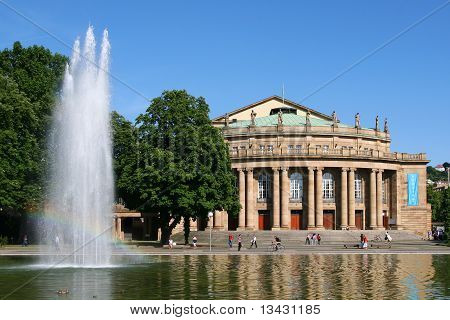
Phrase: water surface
[348,276]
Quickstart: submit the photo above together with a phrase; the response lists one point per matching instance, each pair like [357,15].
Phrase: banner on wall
[413,189]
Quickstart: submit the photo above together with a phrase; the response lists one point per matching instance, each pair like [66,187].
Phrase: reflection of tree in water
[441,265]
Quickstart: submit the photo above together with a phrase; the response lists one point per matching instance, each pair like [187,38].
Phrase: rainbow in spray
[81,187]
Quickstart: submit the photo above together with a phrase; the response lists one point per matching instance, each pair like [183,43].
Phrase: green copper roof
[288,120]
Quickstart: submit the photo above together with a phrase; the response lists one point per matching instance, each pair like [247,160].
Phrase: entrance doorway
[263,219]
[359,219]
[385,220]
[328,219]
[233,222]
[296,219]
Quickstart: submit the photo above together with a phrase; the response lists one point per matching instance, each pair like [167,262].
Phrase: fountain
[78,214]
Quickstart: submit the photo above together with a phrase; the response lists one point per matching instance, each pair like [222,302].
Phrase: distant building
[298,169]
[440,168]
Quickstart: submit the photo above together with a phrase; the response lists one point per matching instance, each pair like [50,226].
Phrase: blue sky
[234,53]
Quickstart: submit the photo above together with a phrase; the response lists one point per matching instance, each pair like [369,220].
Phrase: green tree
[184,168]
[125,158]
[29,81]
[436,175]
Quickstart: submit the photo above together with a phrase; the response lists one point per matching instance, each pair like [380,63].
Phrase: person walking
[388,237]
[57,243]
[361,243]
[170,243]
[253,242]
[318,239]
[314,239]
[308,239]
[230,241]
[239,243]
[194,241]
[365,242]
[25,241]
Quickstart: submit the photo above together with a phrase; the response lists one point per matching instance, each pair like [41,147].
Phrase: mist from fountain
[78,215]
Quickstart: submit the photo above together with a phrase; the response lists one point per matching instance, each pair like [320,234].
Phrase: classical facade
[299,169]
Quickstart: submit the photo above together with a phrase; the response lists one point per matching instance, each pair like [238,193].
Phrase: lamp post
[210,215]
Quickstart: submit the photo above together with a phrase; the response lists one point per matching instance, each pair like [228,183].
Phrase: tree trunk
[187,229]
[167,226]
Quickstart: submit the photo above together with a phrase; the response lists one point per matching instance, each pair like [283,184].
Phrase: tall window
[296,186]
[328,186]
[358,187]
[263,186]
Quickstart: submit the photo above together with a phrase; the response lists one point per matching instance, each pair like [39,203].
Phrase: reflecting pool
[349,276]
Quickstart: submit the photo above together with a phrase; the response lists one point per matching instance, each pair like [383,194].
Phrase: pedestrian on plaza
[239,243]
[170,243]
[308,239]
[253,242]
[230,240]
[318,239]
[57,243]
[25,241]
[388,237]
[194,241]
[361,243]
[365,242]
[314,239]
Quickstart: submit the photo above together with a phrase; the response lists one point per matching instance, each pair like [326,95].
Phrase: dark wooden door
[386,222]
[296,220]
[232,222]
[264,220]
[328,220]
[359,220]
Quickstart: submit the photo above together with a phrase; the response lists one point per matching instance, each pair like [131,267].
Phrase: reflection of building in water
[352,276]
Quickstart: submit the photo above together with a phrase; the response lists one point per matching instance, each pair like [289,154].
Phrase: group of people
[313,239]
[253,242]
[436,234]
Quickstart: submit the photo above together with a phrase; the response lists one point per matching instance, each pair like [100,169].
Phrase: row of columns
[313,207]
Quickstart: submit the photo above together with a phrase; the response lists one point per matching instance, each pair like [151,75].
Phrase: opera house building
[300,169]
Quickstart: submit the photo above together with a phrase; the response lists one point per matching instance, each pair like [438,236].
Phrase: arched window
[328,186]
[358,187]
[263,186]
[296,186]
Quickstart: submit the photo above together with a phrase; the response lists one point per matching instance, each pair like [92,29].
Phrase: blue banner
[413,189]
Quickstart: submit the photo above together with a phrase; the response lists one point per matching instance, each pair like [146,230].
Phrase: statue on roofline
[308,118]
[280,118]
[334,116]
[357,121]
[377,124]
[227,120]
[253,116]
[386,128]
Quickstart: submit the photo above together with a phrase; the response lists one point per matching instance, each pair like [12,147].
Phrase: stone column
[319,199]
[276,199]
[311,218]
[241,219]
[250,201]
[217,220]
[380,199]
[351,199]
[373,200]
[119,228]
[344,212]
[284,199]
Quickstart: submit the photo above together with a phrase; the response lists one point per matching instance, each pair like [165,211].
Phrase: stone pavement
[333,242]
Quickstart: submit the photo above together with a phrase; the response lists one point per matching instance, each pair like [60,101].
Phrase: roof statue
[227,120]
[357,121]
[377,124]
[335,119]
[386,128]
[253,116]
[280,118]
[308,120]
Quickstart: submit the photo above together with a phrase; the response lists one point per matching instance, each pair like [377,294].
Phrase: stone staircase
[292,239]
